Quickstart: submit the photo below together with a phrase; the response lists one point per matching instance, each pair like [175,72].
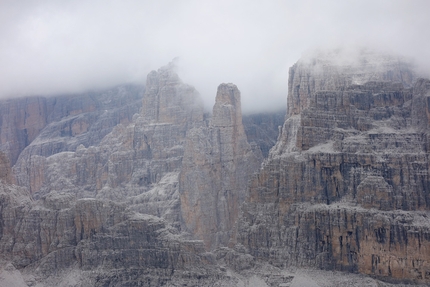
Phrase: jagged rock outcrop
[347,185]
[168,100]
[218,161]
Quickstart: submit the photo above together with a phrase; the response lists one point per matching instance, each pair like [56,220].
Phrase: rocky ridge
[107,211]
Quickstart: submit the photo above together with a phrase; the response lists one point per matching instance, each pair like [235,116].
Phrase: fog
[52,47]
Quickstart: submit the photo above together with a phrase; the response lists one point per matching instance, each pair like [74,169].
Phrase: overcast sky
[49,47]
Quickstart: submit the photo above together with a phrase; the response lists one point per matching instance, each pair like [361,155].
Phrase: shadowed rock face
[61,123]
[21,121]
[347,185]
[262,129]
[218,161]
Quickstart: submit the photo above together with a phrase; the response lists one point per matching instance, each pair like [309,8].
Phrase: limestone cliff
[168,100]
[347,185]
[218,162]
[20,123]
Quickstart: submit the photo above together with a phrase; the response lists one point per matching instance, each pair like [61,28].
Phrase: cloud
[49,47]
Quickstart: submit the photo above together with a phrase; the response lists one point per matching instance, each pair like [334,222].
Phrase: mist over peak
[53,47]
[353,56]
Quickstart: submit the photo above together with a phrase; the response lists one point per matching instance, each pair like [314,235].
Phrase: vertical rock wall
[347,186]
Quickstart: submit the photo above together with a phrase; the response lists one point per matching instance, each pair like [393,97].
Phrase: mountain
[346,186]
[139,186]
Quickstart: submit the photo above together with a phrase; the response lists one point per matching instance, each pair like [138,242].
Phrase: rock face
[85,118]
[107,244]
[139,153]
[338,69]
[217,164]
[71,122]
[21,121]
[262,130]
[5,170]
[95,193]
[347,185]
[74,224]
[111,209]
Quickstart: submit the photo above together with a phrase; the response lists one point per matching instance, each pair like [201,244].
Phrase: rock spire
[217,164]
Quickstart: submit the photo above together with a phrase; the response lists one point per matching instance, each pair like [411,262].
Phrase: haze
[53,47]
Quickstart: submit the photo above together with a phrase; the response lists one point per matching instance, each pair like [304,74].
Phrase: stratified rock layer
[217,165]
[347,185]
